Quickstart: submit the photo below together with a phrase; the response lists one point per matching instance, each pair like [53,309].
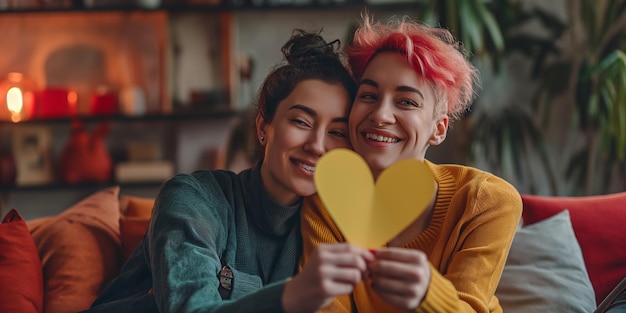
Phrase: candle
[17,98]
[15,104]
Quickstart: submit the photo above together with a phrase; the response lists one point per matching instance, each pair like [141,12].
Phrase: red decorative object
[8,172]
[85,157]
[104,102]
[55,103]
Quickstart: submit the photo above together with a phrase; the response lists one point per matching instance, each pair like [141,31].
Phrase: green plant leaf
[588,15]
[610,15]
[450,17]
[470,28]
[607,62]
[490,24]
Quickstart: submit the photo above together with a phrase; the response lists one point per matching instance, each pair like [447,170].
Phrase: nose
[382,114]
[315,144]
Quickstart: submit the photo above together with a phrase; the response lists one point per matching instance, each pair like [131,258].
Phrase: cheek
[355,118]
[286,140]
[339,143]
[415,127]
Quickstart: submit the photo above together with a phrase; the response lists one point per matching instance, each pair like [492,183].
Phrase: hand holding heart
[370,214]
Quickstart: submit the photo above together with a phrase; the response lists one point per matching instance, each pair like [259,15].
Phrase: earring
[262,139]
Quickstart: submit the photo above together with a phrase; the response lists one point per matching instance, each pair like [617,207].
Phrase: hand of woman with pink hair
[400,276]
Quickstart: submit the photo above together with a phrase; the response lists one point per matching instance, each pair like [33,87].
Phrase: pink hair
[432,52]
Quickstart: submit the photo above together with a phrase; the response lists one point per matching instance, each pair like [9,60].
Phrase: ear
[440,131]
[261,126]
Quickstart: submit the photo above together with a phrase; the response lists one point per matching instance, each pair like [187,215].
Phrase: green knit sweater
[201,222]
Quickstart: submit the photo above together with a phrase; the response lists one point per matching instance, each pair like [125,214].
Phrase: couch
[567,255]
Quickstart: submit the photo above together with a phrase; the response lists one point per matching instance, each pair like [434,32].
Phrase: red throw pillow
[598,223]
[21,280]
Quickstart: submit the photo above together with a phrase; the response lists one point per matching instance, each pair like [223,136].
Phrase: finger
[342,259]
[347,248]
[334,288]
[395,287]
[342,275]
[400,255]
[398,270]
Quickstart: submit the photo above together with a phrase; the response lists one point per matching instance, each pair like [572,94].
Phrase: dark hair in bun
[307,56]
[303,47]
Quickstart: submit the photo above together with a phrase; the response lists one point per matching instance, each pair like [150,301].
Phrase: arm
[485,240]
[318,228]
[188,233]
[466,281]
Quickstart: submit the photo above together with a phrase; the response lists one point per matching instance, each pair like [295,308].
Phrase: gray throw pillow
[545,270]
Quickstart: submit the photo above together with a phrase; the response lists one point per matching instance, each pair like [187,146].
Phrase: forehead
[392,70]
[323,98]
[391,67]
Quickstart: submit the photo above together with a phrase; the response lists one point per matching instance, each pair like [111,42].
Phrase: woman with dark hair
[225,242]
[412,81]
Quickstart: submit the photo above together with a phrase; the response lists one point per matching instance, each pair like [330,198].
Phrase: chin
[305,190]
[378,164]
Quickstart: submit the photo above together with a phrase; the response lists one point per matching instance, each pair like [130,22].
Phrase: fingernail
[372,251]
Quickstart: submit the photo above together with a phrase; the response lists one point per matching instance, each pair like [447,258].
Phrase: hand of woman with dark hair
[332,270]
[400,276]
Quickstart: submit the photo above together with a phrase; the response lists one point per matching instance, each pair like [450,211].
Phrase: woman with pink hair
[412,82]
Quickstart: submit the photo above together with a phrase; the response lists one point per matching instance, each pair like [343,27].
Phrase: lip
[296,162]
[378,132]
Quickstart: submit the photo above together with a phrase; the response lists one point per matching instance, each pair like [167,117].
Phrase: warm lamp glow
[15,103]
[17,98]
[72,101]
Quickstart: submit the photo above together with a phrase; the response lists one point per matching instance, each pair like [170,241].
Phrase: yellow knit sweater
[467,242]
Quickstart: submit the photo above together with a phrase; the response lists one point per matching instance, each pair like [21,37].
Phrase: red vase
[8,171]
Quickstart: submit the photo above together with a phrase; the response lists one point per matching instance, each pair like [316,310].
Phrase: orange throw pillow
[134,221]
[21,283]
[80,250]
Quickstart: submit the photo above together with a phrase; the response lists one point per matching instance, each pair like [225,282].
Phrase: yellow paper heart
[368,214]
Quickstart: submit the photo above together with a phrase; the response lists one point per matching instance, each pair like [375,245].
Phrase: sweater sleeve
[188,233]
[471,278]
[317,228]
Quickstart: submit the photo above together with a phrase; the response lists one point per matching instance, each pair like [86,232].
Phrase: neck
[277,191]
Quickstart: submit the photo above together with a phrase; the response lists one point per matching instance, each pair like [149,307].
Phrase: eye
[299,122]
[339,133]
[409,102]
[367,96]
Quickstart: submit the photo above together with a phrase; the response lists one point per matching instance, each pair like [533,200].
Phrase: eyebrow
[312,112]
[399,88]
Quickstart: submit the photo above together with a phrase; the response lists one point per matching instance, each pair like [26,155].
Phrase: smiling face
[311,121]
[393,116]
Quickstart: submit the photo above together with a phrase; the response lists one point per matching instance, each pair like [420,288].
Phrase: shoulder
[195,191]
[479,186]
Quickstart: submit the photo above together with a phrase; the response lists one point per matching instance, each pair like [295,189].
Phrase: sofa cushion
[79,251]
[134,221]
[598,223]
[21,282]
[545,271]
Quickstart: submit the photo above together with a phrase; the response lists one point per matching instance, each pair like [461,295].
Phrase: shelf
[191,115]
[227,7]
[79,186]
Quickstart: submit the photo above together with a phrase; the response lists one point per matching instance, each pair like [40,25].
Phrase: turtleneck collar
[269,216]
